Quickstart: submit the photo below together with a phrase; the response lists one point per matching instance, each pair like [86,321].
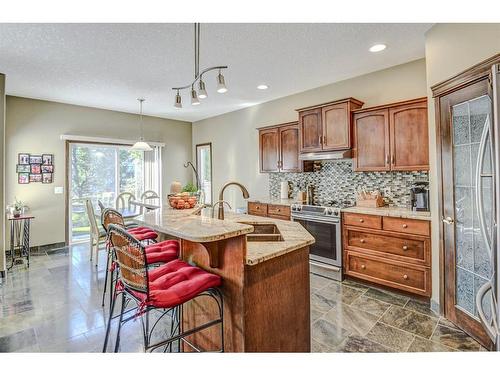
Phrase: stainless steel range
[323,222]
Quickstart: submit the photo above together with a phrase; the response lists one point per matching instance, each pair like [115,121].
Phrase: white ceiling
[110,65]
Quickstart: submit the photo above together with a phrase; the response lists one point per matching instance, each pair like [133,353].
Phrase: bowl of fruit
[181,201]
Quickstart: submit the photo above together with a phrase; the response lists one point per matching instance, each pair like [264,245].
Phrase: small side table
[19,238]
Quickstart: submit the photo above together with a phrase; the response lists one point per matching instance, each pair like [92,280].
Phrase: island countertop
[197,225]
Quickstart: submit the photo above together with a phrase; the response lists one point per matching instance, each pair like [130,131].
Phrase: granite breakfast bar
[264,264]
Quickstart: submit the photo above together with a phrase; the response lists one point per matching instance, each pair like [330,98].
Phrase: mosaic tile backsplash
[336,180]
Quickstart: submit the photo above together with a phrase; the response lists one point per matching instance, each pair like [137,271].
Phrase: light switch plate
[58,190]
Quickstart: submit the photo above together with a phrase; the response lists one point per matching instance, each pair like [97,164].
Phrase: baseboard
[47,247]
[435,307]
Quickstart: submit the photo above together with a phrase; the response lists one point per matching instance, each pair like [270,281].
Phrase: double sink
[263,232]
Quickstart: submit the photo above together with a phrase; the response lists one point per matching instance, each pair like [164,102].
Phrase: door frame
[473,75]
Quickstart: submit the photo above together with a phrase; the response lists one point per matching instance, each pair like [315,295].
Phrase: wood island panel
[266,306]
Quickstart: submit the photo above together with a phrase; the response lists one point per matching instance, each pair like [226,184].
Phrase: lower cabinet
[388,251]
[274,211]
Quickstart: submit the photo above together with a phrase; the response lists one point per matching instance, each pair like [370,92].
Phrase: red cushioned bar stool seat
[176,282]
[162,252]
[143,233]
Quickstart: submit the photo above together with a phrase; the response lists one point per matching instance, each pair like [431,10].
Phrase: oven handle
[316,220]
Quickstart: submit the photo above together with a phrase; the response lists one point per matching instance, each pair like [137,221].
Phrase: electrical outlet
[58,190]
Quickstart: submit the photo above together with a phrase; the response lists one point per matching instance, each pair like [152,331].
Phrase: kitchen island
[264,265]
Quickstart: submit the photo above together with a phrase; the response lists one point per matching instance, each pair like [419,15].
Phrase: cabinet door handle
[319,140]
[448,220]
[362,240]
[392,159]
[363,267]
[405,225]
[405,277]
[387,159]
[361,220]
[405,247]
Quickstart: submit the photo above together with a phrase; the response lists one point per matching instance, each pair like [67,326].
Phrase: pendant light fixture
[140,145]
[198,76]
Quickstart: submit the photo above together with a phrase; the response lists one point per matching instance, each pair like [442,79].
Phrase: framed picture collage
[35,168]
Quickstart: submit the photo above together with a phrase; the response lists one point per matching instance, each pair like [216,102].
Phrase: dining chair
[123,200]
[148,196]
[97,234]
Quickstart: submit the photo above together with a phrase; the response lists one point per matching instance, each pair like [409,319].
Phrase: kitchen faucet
[221,196]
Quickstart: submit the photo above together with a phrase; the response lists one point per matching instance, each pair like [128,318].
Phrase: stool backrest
[111,216]
[131,258]
[94,230]
[123,200]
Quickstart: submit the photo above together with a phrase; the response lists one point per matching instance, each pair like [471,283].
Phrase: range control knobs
[296,207]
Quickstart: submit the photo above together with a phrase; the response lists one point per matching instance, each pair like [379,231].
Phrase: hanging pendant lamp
[198,77]
[140,145]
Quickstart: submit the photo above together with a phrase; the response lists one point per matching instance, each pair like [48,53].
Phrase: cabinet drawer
[406,248]
[259,209]
[361,220]
[394,274]
[278,209]
[281,217]
[395,224]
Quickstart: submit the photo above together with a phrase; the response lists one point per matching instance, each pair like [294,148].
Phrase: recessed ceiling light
[263,87]
[378,47]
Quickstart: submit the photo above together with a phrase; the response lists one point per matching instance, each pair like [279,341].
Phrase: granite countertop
[294,237]
[400,212]
[197,225]
[189,225]
[268,200]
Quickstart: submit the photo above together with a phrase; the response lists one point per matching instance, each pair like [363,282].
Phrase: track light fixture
[202,93]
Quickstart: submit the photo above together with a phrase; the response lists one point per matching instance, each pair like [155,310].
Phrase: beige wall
[2,161]
[35,126]
[235,140]
[450,49]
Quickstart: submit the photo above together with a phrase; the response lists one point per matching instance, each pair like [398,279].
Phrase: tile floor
[354,317]
[55,306]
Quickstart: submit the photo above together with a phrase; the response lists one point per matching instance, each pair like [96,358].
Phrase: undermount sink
[263,233]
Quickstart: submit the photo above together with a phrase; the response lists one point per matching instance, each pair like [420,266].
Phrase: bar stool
[165,288]
[157,252]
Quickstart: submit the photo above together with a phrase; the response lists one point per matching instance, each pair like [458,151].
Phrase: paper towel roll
[284,190]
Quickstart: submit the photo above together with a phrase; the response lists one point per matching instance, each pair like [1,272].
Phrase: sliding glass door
[100,172]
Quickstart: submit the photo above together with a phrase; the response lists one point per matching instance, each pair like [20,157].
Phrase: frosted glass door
[473,215]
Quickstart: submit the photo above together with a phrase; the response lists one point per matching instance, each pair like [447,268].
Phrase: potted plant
[18,208]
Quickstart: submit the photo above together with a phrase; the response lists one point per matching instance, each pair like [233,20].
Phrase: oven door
[327,248]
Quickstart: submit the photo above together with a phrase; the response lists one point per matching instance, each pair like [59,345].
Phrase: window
[204,168]
[101,172]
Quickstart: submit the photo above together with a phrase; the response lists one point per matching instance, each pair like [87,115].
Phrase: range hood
[333,155]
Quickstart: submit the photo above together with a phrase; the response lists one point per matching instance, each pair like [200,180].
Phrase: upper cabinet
[392,137]
[279,148]
[327,127]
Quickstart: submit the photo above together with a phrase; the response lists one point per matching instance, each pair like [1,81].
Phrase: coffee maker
[419,196]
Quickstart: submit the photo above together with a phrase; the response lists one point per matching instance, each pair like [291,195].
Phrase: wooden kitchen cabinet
[328,126]
[288,148]
[371,135]
[274,211]
[390,251]
[392,137]
[311,130]
[269,150]
[279,148]
[409,136]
